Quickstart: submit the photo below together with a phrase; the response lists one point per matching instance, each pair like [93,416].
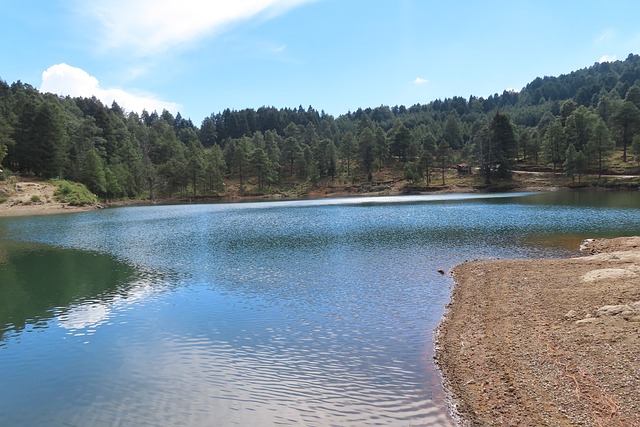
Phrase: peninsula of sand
[552,342]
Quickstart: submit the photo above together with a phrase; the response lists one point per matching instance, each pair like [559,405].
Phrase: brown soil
[26,198]
[546,342]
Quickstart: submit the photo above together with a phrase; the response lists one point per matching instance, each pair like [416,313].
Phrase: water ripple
[300,313]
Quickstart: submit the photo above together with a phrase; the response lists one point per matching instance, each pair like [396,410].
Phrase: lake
[315,313]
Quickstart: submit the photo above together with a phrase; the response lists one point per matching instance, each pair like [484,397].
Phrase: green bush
[73,193]
[35,198]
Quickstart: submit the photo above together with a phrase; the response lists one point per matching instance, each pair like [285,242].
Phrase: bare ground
[27,198]
[546,342]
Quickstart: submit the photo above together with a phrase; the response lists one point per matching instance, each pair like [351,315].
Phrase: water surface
[287,313]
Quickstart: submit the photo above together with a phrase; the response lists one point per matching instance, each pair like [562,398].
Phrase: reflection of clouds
[202,381]
[84,315]
[90,314]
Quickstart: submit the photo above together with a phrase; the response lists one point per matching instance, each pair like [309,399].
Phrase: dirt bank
[27,198]
[546,342]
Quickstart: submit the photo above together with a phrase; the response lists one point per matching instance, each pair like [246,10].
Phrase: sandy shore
[546,342]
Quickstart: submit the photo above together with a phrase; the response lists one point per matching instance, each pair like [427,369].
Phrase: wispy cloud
[63,79]
[280,49]
[605,35]
[608,58]
[145,28]
[420,81]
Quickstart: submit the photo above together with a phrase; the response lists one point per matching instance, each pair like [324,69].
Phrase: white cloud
[420,81]
[608,58]
[63,79]
[147,28]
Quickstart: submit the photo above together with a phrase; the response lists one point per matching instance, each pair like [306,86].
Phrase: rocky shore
[552,342]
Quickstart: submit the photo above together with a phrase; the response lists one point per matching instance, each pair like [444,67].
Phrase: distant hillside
[572,122]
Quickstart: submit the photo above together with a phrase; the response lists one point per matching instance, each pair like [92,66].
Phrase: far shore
[25,196]
[21,204]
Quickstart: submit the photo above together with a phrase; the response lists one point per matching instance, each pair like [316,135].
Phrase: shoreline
[545,342]
[21,204]
[36,197]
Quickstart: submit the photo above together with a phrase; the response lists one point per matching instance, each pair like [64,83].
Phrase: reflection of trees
[36,279]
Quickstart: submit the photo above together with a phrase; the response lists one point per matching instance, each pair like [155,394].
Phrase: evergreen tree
[366,145]
[575,163]
[635,147]
[259,163]
[47,144]
[214,167]
[6,140]
[426,162]
[92,172]
[400,141]
[570,164]
[291,152]
[331,157]
[208,134]
[567,108]
[291,149]
[578,127]
[273,154]
[496,148]
[626,118]
[112,184]
[600,144]
[195,163]
[443,155]
[381,146]
[633,95]
[604,108]
[554,145]
[241,158]
[348,148]
[524,142]
[452,130]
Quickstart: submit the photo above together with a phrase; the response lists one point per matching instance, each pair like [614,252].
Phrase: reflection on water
[292,313]
[36,280]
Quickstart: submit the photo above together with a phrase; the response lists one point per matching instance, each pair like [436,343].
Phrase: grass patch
[73,193]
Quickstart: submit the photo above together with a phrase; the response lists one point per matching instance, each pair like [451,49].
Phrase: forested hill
[571,121]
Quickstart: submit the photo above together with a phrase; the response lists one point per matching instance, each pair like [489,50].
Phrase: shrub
[73,193]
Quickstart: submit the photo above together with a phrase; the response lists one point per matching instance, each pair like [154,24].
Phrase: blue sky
[199,57]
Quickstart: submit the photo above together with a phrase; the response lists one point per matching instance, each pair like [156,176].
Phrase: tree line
[571,123]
